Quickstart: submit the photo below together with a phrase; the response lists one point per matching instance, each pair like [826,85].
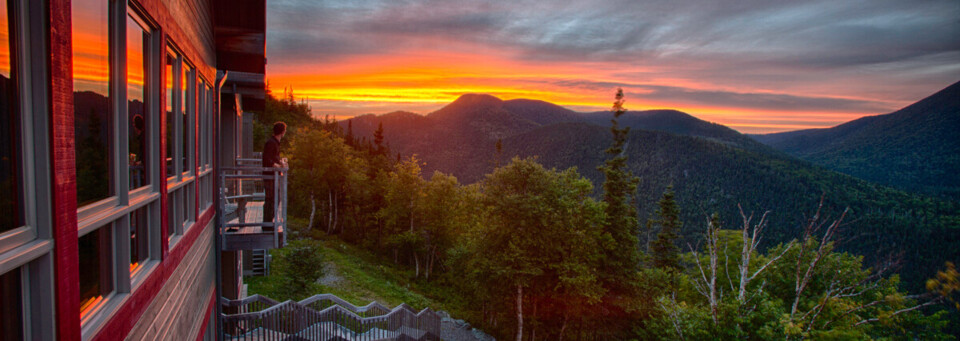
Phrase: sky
[756,66]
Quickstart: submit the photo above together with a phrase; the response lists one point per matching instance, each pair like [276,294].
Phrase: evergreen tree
[499,152]
[664,251]
[619,187]
[351,141]
[621,258]
[378,140]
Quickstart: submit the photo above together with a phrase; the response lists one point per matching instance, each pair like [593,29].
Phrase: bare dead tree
[673,311]
[751,240]
[707,285]
[805,271]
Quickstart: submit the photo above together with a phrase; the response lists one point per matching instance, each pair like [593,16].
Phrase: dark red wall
[64,196]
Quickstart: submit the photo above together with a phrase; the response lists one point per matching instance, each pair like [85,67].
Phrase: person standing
[271,158]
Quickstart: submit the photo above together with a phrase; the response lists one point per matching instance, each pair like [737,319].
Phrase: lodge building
[116,118]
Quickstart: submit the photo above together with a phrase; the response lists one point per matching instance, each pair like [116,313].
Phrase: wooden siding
[178,311]
[188,24]
[193,18]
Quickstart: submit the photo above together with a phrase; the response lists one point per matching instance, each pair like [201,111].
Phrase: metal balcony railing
[244,221]
[324,317]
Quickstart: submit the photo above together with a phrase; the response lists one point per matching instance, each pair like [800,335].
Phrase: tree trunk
[744,263]
[329,211]
[563,327]
[533,331]
[313,211]
[416,260]
[713,280]
[519,312]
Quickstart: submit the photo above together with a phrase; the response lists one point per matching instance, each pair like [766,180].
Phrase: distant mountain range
[916,149]
[460,138]
[712,169]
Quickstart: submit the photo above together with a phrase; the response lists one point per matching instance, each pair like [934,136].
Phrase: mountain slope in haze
[916,148]
[543,113]
[677,122]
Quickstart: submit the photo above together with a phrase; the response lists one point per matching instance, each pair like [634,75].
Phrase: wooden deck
[248,237]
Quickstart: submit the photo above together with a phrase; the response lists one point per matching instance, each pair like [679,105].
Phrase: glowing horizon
[757,67]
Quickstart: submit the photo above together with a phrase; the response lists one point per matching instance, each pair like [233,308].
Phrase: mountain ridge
[915,148]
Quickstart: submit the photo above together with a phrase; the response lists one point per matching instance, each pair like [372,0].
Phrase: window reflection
[188,105]
[168,79]
[139,240]
[92,121]
[137,42]
[172,214]
[96,279]
[9,132]
[187,206]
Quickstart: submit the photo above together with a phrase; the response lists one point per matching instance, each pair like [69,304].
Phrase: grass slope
[360,277]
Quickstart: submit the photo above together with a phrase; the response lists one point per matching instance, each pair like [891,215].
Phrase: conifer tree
[664,250]
[619,188]
[378,140]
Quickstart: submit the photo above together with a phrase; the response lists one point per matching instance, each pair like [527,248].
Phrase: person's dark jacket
[271,152]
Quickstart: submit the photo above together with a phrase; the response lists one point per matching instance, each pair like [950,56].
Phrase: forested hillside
[916,149]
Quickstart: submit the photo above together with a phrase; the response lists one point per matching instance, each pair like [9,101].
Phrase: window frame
[24,167]
[116,216]
[29,247]
[182,211]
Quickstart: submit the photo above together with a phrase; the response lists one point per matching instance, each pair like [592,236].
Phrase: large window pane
[172,213]
[96,277]
[11,306]
[92,119]
[188,204]
[210,127]
[9,132]
[139,238]
[187,84]
[201,123]
[137,42]
[171,60]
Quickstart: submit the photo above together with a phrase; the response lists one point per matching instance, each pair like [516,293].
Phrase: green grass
[363,278]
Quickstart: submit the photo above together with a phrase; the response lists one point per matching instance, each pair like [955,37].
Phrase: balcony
[324,317]
[242,204]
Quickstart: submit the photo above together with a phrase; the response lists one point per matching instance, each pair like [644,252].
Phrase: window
[93,122]
[96,279]
[172,214]
[26,281]
[10,212]
[205,143]
[138,42]
[11,306]
[139,239]
[188,84]
[118,122]
[181,82]
[170,69]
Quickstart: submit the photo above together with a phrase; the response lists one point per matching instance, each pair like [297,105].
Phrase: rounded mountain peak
[468,106]
[477,100]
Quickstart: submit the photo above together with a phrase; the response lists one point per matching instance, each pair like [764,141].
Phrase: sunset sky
[754,65]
